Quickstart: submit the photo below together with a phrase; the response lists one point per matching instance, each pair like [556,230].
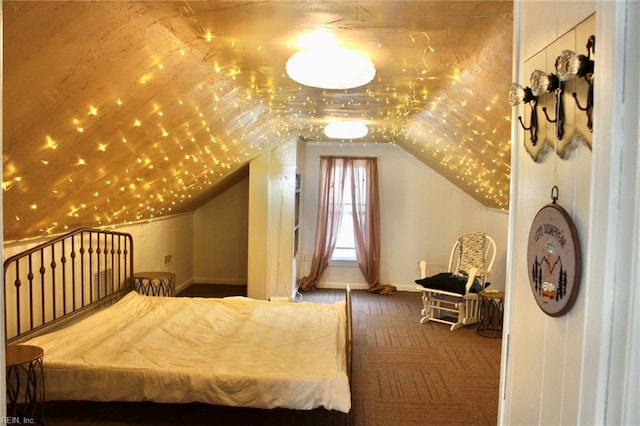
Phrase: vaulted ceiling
[120,111]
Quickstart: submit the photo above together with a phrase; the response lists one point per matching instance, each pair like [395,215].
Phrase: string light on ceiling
[181,106]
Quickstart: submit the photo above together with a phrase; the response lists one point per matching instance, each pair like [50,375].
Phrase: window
[338,229]
[345,249]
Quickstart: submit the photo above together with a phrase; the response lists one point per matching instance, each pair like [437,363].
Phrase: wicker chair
[452,297]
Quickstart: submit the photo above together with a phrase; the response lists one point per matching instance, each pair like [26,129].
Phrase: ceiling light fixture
[346,130]
[331,68]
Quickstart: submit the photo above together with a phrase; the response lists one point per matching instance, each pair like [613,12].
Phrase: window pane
[345,244]
[345,233]
[345,248]
[344,254]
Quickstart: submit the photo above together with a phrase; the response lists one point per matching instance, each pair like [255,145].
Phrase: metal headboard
[62,277]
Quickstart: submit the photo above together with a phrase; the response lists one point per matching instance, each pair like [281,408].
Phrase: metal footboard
[60,278]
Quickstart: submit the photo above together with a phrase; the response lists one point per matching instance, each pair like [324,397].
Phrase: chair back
[473,250]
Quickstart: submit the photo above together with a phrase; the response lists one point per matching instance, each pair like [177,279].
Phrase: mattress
[233,351]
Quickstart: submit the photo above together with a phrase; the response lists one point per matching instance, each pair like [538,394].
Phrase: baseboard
[364,286]
[182,286]
[218,280]
[327,285]
[280,299]
[408,287]
[342,286]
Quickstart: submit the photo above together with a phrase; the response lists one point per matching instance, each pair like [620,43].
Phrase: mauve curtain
[366,218]
[330,208]
[363,173]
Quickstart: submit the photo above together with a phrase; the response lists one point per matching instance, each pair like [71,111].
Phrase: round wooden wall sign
[554,260]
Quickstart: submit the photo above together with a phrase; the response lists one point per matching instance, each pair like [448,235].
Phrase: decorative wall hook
[570,65]
[541,83]
[559,120]
[519,95]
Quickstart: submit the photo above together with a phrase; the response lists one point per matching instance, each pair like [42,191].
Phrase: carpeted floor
[407,373]
[404,373]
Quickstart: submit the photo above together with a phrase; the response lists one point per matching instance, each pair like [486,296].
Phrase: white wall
[542,378]
[282,178]
[612,347]
[421,216]
[497,225]
[151,242]
[271,223]
[220,233]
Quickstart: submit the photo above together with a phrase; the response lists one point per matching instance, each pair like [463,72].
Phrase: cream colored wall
[497,225]
[153,240]
[282,176]
[258,243]
[421,216]
[542,379]
[209,245]
[271,223]
[220,234]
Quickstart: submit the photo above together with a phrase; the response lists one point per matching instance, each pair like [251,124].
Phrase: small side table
[155,283]
[490,314]
[25,383]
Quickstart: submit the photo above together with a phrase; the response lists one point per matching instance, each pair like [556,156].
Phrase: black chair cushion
[446,281]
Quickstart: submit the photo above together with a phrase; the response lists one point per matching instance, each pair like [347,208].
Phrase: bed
[104,342]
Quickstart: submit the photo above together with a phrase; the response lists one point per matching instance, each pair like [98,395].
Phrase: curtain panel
[362,174]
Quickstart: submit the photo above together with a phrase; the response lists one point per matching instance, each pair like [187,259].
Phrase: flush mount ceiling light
[346,130]
[330,67]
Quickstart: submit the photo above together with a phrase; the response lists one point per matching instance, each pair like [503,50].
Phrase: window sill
[343,263]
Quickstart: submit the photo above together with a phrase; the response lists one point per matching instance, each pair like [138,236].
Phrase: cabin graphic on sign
[548,276]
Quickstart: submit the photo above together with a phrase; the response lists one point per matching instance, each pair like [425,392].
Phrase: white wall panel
[545,21]
[258,226]
[527,335]
[497,226]
[543,369]
[541,17]
[554,364]
[271,223]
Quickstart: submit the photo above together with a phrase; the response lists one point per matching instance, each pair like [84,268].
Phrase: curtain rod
[348,156]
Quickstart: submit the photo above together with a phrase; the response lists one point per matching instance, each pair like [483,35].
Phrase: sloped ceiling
[116,112]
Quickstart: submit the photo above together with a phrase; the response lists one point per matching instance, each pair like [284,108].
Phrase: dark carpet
[213,290]
[404,373]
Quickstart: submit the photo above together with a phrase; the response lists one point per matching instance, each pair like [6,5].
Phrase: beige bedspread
[233,351]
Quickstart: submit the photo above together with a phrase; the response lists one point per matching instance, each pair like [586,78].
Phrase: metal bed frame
[52,284]
[57,280]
